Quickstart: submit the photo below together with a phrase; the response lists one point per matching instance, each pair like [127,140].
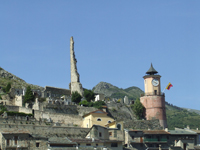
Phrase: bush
[84,103]
[98,104]
[0,97]
[89,95]
[76,97]
[3,108]
[14,113]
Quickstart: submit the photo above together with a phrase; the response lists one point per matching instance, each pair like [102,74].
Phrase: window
[15,138]
[7,142]
[88,144]
[119,126]
[99,119]
[97,144]
[109,121]
[99,134]
[110,134]
[133,137]
[37,144]
[155,92]
[114,145]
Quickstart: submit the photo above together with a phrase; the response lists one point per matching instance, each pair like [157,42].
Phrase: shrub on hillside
[76,97]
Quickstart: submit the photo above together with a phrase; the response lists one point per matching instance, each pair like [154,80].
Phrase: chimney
[188,127]
[166,129]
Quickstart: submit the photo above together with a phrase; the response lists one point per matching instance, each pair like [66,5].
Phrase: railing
[153,93]
[154,140]
[136,141]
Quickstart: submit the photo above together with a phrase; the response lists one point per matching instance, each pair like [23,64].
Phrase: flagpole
[164,90]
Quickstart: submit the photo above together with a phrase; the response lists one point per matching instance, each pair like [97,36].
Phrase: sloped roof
[155,132]
[181,132]
[96,112]
[14,131]
[151,70]
[60,140]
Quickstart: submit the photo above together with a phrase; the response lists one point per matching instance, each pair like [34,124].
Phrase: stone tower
[153,100]
[75,84]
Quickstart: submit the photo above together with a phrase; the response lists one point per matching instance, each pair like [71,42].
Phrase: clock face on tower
[155,82]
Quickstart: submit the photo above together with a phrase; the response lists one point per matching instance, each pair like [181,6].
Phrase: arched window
[109,121]
[99,119]
[119,126]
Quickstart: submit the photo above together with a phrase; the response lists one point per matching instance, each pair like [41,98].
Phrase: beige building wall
[91,119]
[18,100]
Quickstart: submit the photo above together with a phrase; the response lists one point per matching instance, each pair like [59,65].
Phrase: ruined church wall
[25,110]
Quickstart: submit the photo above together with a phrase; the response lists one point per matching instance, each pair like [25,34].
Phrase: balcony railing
[154,140]
[153,94]
[136,141]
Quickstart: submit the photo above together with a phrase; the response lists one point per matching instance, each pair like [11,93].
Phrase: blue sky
[115,42]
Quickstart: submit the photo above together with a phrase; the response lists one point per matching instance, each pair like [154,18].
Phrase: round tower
[153,99]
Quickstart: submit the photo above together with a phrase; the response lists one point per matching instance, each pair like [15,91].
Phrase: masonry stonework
[75,84]
[153,100]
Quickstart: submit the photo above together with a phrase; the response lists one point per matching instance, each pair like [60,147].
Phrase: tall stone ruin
[75,84]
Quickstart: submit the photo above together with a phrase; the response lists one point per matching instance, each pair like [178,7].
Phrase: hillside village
[54,119]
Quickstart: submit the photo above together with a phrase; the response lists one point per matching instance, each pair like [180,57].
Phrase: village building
[97,117]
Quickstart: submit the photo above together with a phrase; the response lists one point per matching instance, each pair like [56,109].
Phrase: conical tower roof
[151,70]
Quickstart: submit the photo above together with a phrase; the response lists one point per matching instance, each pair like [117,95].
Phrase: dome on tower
[151,70]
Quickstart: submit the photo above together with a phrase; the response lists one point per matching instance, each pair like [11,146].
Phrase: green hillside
[181,118]
[112,91]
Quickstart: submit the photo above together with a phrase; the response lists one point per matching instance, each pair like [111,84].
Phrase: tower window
[155,92]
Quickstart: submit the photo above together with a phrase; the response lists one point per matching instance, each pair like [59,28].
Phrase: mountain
[16,82]
[112,91]
[176,116]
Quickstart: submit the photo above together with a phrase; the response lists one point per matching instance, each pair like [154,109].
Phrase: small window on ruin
[7,142]
[99,134]
[16,137]
[37,144]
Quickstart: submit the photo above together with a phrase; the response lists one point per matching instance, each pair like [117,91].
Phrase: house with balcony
[182,139]
[146,139]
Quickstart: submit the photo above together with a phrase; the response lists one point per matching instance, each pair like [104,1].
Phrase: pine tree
[29,97]
[89,95]
[138,109]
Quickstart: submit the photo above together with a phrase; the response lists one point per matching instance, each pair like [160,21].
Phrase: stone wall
[143,124]
[66,119]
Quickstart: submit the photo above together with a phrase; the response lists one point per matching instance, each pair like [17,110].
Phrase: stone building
[153,99]
[54,92]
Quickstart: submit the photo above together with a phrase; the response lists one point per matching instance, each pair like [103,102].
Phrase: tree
[7,88]
[89,95]
[76,97]
[138,109]
[29,97]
